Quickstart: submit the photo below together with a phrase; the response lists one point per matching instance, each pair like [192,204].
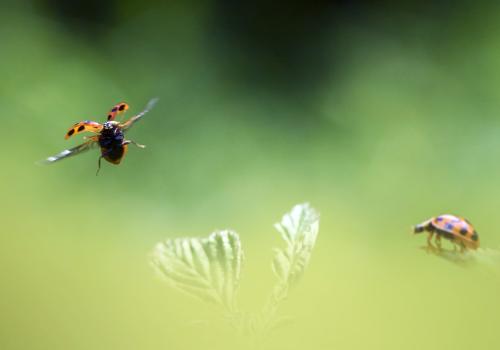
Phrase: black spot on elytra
[71,132]
[475,237]
[121,108]
[114,109]
[81,127]
[110,116]
[463,231]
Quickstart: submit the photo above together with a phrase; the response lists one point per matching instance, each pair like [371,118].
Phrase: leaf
[299,229]
[206,268]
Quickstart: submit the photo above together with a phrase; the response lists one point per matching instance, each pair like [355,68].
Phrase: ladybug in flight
[453,228]
[109,136]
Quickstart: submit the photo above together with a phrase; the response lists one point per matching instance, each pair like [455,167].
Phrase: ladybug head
[424,226]
[418,228]
[107,126]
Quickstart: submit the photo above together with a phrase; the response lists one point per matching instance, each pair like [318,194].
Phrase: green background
[380,117]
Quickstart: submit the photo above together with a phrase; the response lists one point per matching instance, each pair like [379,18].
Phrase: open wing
[136,118]
[70,152]
[86,125]
[117,110]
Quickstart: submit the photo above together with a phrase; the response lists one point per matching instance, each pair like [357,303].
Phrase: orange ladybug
[109,136]
[453,228]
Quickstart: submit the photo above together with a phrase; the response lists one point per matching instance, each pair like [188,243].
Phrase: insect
[109,136]
[453,228]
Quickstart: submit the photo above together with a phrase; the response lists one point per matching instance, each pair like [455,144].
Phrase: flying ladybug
[109,136]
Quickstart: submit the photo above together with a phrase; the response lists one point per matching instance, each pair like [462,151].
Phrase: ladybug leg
[98,165]
[429,238]
[126,142]
[103,155]
[438,241]
[430,247]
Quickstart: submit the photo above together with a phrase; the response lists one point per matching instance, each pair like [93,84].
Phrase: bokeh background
[379,115]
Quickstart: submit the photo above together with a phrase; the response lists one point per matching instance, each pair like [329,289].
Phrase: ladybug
[453,228]
[109,136]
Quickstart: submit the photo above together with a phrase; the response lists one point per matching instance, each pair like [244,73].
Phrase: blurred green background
[379,116]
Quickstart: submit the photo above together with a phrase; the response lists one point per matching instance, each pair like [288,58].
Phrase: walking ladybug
[453,228]
[109,136]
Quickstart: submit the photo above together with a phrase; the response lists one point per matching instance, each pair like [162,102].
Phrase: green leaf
[206,268]
[299,229]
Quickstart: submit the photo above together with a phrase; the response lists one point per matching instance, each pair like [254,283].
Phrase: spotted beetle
[110,136]
[453,228]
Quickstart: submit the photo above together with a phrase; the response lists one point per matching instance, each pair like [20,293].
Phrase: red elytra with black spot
[453,228]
